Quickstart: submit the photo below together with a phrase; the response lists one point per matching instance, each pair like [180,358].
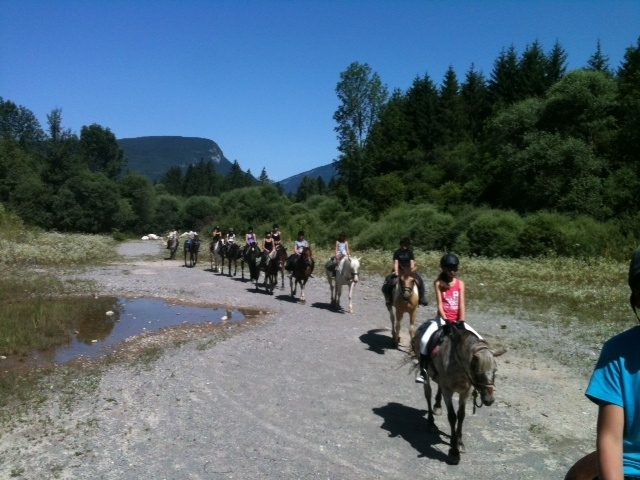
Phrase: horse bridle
[476,386]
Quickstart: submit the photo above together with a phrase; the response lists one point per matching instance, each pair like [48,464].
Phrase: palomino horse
[191,248]
[462,363]
[405,300]
[302,270]
[216,249]
[346,273]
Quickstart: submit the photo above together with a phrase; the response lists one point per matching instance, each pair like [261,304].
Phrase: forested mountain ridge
[290,185]
[153,156]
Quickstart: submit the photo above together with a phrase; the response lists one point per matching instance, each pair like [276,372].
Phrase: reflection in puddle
[97,334]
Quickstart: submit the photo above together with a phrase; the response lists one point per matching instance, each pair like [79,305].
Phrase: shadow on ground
[410,424]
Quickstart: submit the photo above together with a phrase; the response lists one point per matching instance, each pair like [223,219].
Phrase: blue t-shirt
[616,380]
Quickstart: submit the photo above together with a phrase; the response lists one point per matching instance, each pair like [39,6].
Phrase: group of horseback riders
[450,297]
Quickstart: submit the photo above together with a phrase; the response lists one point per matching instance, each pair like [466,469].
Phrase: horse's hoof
[461,447]
[454,457]
[437,411]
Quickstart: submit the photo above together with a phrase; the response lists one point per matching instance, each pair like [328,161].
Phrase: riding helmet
[449,260]
[405,241]
[275,226]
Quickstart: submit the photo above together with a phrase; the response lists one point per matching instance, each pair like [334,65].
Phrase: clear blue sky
[259,77]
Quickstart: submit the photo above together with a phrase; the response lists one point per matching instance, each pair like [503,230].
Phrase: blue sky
[259,77]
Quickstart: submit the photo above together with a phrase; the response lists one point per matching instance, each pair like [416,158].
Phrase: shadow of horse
[409,423]
[324,306]
[377,343]
[286,298]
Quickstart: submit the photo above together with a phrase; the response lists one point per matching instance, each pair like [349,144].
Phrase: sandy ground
[304,392]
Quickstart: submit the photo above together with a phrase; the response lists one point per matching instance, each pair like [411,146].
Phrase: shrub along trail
[305,392]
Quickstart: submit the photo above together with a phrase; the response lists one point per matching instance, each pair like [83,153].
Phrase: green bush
[544,234]
[495,233]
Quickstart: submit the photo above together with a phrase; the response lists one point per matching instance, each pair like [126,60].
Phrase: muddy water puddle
[106,322]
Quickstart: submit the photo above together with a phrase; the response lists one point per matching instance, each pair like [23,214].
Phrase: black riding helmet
[449,260]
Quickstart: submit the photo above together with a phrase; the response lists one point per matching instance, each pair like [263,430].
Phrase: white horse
[346,274]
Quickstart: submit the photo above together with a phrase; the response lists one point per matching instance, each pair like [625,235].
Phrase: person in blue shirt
[615,388]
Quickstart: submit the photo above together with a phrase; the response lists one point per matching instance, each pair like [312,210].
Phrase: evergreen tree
[421,111]
[475,102]
[504,85]
[264,178]
[599,62]
[449,112]
[532,72]
[556,64]
[173,181]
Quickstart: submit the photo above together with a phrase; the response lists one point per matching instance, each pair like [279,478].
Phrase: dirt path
[306,393]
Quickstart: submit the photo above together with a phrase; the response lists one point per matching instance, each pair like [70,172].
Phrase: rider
[342,250]
[403,258]
[451,306]
[614,388]
[276,235]
[231,237]
[250,240]
[268,247]
[298,247]
[216,234]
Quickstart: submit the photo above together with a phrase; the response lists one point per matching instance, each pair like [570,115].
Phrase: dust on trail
[303,392]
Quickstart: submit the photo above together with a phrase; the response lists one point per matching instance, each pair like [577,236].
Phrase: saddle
[433,347]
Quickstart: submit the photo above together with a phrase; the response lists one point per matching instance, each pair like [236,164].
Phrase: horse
[271,266]
[405,300]
[216,249]
[462,363]
[584,469]
[172,246]
[281,261]
[302,270]
[233,254]
[253,257]
[346,273]
[191,247]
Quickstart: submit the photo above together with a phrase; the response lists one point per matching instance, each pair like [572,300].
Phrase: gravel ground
[301,392]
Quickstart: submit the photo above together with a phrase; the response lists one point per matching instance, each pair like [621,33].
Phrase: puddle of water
[97,334]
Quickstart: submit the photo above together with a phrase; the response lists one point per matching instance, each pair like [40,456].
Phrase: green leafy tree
[138,190]
[361,95]
[100,150]
[19,124]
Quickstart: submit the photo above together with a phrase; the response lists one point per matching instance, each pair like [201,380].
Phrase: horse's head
[354,266]
[407,282]
[483,371]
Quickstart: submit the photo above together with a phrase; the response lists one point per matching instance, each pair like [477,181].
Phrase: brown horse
[462,363]
[584,469]
[405,300]
[302,270]
[280,257]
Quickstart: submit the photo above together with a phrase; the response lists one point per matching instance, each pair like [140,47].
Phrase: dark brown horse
[463,363]
[302,270]
[281,260]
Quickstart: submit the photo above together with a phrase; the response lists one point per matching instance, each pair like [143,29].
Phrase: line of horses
[461,364]
[272,265]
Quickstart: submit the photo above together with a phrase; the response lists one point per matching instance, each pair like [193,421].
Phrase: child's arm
[609,443]
[436,288]
[463,310]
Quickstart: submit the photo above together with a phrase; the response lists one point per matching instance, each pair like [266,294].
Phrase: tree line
[533,160]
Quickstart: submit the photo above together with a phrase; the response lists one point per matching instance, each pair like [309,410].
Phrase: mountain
[291,184]
[153,156]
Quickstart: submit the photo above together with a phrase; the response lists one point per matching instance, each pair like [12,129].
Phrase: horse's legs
[454,451]
[462,401]
[412,325]
[431,424]
[352,284]
[332,288]
[292,286]
[302,290]
[437,407]
[397,327]
[392,318]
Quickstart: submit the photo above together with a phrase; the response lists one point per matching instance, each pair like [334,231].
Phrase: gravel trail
[303,392]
